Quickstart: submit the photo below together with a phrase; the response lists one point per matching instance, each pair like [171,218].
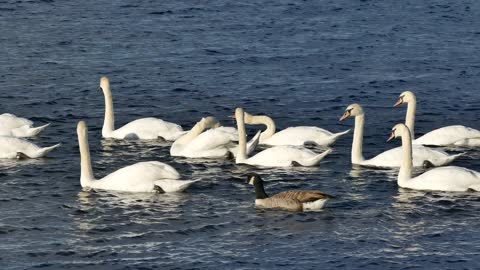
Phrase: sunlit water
[301,62]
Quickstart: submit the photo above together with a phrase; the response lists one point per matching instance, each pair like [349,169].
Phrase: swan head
[210,122]
[351,111]
[247,117]
[239,113]
[405,97]
[104,84]
[253,179]
[82,129]
[398,131]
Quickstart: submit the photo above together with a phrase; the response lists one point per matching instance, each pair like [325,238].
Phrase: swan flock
[208,139]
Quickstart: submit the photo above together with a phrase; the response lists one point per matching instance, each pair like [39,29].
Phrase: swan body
[12,147]
[144,128]
[292,200]
[293,135]
[140,177]
[449,135]
[11,125]
[277,156]
[450,178]
[392,157]
[216,142]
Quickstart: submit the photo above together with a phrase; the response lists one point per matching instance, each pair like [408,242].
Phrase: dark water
[302,62]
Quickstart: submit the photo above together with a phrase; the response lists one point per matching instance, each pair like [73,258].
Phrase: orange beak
[231,116]
[392,136]
[399,101]
[345,115]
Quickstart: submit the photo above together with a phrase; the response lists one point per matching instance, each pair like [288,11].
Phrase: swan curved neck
[357,145]
[263,120]
[406,166]
[260,191]
[86,172]
[410,117]
[242,140]
[192,133]
[109,120]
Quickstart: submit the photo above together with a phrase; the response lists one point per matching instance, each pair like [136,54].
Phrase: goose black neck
[259,191]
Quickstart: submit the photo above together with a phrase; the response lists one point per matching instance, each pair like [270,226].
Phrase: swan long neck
[410,117]
[242,139]
[86,172]
[264,120]
[192,133]
[357,145]
[406,166]
[109,120]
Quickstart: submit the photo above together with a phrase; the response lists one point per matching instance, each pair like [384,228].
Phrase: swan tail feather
[340,134]
[314,160]
[451,158]
[45,150]
[28,131]
[252,144]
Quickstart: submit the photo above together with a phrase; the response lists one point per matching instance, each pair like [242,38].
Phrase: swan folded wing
[210,139]
[10,121]
[149,128]
[447,135]
[171,185]
[9,146]
[393,157]
[281,156]
[230,132]
[303,196]
[451,178]
[139,177]
[299,135]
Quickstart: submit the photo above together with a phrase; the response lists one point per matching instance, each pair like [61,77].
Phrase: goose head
[398,131]
[351,111]
[104,84]
[253,179]
[405,97]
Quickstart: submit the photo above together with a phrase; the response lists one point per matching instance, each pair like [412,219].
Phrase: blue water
[301,62]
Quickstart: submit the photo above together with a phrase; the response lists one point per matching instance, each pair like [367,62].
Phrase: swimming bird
[299,135]
[145,128]
[392,157]
[216,142]
[449,135]
[11,125]
[150,176]
[292,200]
[277,156]
[13,147]
[450,178]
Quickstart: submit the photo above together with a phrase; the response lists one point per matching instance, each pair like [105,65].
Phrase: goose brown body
[292,200]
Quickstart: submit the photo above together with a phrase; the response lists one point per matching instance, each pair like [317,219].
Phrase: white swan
[449,135]
[216,142]
[150,176]
[449,178]
[392,157]
[277,156]
[13,147]
[291,135]
[145,128]
[11,125]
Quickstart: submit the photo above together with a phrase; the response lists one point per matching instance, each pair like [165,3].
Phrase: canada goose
[292,200]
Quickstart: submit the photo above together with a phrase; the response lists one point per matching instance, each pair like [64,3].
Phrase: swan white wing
[449,178]
[9,146]
[170,185]
[10,121]
[302,134]
[447,135]
[282,156]
[139,177]
[230,132]
[148,129]
[393,157]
